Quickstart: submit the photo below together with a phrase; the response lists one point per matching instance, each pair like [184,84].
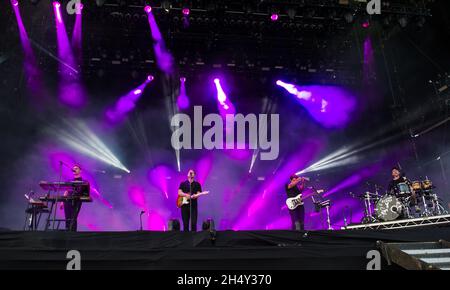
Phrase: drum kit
[409,200]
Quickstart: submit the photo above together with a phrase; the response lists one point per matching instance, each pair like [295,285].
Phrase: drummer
[393,188]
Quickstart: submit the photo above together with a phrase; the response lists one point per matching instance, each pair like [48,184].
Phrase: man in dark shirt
[190,190]
[72,207]
[393,187]
[294,188]
[397,178]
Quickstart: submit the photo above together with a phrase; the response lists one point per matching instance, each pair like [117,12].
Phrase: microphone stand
[57,194]
[140,219]
[190,205]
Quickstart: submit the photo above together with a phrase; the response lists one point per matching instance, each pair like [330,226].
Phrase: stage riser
[253,250]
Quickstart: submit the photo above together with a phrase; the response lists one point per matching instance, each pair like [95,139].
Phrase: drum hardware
[347,212]
[425,206]
[406,201]
[368,197]
[437,208]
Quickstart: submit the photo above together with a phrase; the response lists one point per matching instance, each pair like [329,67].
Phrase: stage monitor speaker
[208,225]
[174,225]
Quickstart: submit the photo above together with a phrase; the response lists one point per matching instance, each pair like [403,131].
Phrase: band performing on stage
[403,199]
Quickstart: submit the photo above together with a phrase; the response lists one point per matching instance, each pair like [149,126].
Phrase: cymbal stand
[425,206]
[369,218]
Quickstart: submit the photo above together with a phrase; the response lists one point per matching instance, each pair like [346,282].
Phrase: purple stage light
[274,17]
[225,105]
[164,59]
[221,96]
[268,189]
[156,222]
[79,7]
[137,196]
[366,24]
[76,33]
[148,9]
[56,6]
[126,103]
[369,61]
[356,178]
[186,11]
[183,100]
[329,105]
[32,72]
[158,178]
[71,91]
[150,78]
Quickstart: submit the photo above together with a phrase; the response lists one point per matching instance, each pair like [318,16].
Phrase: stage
[229,250]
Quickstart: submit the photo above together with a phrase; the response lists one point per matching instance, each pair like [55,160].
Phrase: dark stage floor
[243,250]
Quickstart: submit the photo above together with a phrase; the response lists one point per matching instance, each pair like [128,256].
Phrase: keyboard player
[72,207]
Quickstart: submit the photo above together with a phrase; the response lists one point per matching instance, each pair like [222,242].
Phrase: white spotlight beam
[82,139]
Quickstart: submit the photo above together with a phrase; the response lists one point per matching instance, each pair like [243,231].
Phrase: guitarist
[294,188]
[190,190]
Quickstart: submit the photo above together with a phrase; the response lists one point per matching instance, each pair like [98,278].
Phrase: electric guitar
[294,202]
[184,200]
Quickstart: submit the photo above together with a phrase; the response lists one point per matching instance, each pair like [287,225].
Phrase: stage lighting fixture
[274,17]
[387,21]
[166,5]
[365,23]
[291,12]
[403,21]
[174,225]
[208,225]
[150,78]
[56,4]
[420,22]
[186,11]
[148,9]
[349,17]
[15,2]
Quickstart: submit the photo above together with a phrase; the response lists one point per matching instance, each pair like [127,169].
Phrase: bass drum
[388,208]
